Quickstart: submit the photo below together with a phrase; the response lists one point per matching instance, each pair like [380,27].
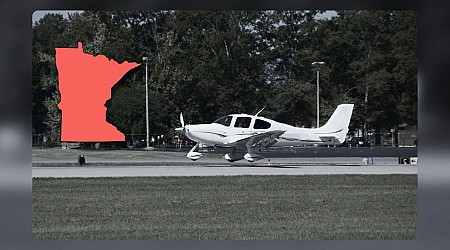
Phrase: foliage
[46,36]
[210,63]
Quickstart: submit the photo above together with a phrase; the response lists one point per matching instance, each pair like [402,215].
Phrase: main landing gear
[250,156]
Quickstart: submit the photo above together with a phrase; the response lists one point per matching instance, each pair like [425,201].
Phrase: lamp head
[318,63]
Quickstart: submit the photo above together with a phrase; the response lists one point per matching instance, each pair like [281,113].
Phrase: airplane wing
[263,140]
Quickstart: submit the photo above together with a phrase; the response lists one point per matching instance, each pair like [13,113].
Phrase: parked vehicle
[358,142]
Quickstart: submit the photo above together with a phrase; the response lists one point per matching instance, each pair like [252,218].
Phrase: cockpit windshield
[225,120]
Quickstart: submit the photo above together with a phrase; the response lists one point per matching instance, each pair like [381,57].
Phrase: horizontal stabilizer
[330,140]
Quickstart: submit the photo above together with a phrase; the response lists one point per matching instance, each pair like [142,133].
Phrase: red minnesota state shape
[85,83]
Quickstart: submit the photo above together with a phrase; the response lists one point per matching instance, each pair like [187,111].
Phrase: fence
[400,138]
[140,140]
[407,138]
[131,141]
[41,141]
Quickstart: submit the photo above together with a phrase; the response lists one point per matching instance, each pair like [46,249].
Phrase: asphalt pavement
[225,170]
[332,152]
[61,163]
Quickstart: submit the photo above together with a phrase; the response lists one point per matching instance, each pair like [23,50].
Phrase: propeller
[182,120]
[181,130]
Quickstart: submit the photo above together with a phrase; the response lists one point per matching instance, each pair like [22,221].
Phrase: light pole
[318,64]
[145,59]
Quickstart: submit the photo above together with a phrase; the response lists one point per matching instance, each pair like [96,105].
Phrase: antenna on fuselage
[260,111]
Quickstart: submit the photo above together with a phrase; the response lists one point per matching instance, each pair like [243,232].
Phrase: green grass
[56,157]
[71,155]
[243,207]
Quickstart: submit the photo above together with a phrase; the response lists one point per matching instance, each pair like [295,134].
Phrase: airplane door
[242,125]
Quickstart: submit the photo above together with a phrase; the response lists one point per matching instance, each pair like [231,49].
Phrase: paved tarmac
[219,167]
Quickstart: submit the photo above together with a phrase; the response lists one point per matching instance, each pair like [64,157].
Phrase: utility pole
[145,59]
[318,64]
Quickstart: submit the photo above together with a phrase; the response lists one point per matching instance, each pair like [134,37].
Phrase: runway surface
[311,167]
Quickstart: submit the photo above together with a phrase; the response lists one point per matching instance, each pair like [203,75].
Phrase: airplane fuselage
[216,134]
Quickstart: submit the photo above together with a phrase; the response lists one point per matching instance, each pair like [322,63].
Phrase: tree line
[207,64]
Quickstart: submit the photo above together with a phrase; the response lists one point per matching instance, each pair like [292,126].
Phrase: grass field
[71,155]
[243,207]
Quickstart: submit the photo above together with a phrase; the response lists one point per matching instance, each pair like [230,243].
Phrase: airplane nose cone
[182,130]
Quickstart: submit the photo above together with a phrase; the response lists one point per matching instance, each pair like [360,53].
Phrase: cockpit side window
[242,122]
[225,120]
[260,124]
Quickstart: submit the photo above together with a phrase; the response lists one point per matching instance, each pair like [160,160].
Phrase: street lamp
[145,59]
[318,64]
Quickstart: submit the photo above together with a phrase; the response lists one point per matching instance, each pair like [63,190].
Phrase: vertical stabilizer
[338,123]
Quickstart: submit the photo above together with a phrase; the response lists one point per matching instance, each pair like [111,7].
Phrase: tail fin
[337,125]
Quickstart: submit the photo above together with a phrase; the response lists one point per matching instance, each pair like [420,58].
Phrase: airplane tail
[337,125]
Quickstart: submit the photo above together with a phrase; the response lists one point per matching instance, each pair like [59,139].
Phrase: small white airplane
[249,133]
